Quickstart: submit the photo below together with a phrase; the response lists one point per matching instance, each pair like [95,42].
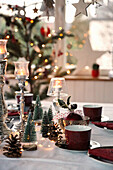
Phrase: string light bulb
[68,71]
[31,21]
[43,45]
[46,60]
[40,55]
[60,28]
[35,77]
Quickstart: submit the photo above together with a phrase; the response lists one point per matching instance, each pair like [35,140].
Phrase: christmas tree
[24,41]
[29,133]
[50,114]
[45,125]
[38,112]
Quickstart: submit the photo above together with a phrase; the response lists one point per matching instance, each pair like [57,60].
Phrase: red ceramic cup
[93,111]
[28,98]
[78,137]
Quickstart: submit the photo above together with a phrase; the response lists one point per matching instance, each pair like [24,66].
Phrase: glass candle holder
[21,69]
[3,50]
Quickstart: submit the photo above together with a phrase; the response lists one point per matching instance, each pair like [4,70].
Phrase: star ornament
[35,10]
[86,56]
[81,7]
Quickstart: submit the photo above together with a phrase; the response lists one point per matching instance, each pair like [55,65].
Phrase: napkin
[15,113]
[108,125]
[102,153]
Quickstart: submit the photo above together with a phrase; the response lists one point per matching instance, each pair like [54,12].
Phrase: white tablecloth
[51,157]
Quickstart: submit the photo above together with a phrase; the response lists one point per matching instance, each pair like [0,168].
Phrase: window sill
[88,78]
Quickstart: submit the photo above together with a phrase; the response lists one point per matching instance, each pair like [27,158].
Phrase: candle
[3,51]
[57,84]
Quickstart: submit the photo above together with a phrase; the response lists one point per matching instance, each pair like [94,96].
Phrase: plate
[101,159]
[103,126]
[93,144]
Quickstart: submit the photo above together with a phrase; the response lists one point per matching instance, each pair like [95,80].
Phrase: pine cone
[13,147]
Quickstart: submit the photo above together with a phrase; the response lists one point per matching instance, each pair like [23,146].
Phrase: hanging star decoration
[35,10]
[81,7]
[86,56]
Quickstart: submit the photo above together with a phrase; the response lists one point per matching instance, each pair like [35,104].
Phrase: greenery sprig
[67,105]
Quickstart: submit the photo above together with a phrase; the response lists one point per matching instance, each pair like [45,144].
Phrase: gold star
[81,7]
[35,10]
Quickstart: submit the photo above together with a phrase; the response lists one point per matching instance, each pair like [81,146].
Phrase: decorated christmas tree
[13,147]
[29,133]
[45,125]
[50,114]
[27,38]
[38,112]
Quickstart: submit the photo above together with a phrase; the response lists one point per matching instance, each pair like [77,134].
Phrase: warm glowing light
[49,35]
[40,69]
[68,32]
[35,77]
[57,84]
[67,53]
[80,46]
[33,66]
[60,28]
[56,67]
[85,35]
[40,74]
[16,18]
[31,44]
[26,83]
[7,36]
[42,139]
[83,41]
[31,21]
[7,53]
[16,30]
[40,145]
[71,54]
[20,19]
[43,45]
[49,146]
[68,71]
[46,60]
[40,55]
[59,38]
[55,70]
[87,67]
[61,35]
[52,141]
[53,31]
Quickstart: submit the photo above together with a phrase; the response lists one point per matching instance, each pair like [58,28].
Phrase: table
[55,158]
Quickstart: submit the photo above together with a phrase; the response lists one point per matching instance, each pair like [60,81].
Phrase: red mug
[93,111]
[78,137]
[28,98]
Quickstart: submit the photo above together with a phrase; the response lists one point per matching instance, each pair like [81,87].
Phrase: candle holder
[58,89]
[21,74]
[4,130]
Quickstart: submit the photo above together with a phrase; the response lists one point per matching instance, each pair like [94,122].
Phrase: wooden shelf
[89,78]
